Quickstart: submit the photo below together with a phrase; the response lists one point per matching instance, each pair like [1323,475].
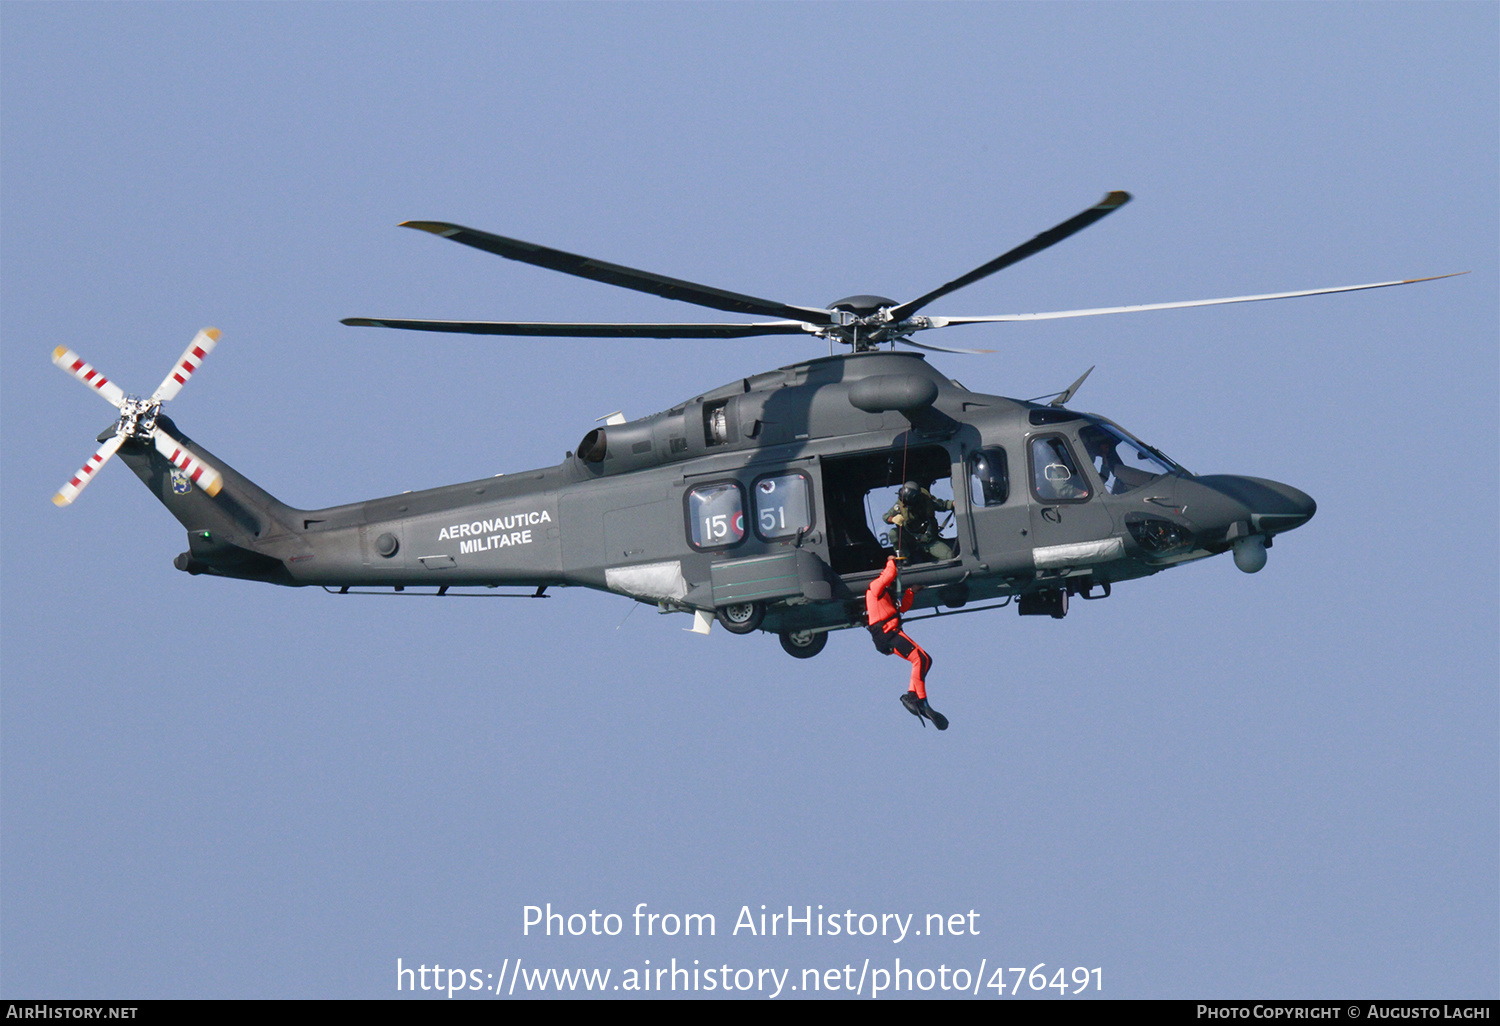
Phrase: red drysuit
[885,626]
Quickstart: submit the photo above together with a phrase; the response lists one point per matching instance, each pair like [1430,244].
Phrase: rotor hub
[865,323]
[863,306]
[138,417]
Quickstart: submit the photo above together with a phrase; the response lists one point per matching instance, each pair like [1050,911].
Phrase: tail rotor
[138,417]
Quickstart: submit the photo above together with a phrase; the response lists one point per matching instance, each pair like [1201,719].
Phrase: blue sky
[1212,784]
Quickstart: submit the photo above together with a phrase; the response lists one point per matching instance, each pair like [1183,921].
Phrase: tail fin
[232,524]
[230,532]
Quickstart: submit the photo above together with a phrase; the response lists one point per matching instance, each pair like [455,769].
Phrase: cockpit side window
[989,477]
[1123,465]
[1054,474]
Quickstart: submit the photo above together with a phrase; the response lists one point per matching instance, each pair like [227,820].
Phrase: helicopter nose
[1249,510]
[1270,506]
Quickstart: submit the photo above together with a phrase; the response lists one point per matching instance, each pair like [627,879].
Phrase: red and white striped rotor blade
[198,472]
[80,480]
[202,344]
[76,366]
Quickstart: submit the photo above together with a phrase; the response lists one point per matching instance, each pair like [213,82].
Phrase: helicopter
[755,505]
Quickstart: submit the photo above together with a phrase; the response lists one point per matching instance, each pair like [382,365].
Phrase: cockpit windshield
[1123,463]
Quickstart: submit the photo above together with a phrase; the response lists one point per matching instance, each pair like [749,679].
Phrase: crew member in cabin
[915,518]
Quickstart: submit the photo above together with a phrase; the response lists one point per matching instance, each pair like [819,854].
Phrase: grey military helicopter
[756,504]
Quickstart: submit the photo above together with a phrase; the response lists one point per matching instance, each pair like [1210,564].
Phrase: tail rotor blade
[76,366]
[202,344]
[68,492]
[198,472]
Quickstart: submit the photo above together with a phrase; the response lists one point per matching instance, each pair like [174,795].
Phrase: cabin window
[989,477]
[1054,473]
[716,515]
[783,506]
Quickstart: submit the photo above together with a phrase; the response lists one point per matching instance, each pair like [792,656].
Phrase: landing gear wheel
[743,618]
[803,644]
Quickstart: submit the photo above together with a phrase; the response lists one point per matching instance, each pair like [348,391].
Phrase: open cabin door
[861,489]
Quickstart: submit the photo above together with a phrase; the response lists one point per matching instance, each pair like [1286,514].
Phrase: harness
[877,627]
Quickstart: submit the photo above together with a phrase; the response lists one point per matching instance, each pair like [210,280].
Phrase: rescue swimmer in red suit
[883,613]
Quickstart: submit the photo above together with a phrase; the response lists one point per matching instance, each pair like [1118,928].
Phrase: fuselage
[771,490]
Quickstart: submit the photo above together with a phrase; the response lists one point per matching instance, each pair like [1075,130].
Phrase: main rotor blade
[943,349]
[598,330]
[75,365]
[1108,205]
[68,492]
[202,344]
[198,472]
[616,274]
[943,322]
